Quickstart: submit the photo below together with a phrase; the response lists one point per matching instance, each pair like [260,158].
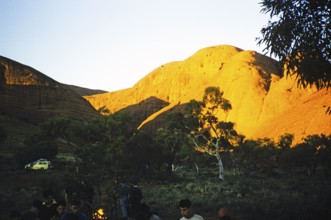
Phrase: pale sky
[111,44]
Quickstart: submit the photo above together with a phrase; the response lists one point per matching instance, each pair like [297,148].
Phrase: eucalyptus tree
[102,150]
[209,134]
[143,158]
[321,144]
[285,141]
[299,34]
[267,154]
[173,140]
[246,155]
[113,134]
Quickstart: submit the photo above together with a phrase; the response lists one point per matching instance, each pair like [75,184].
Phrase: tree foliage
[174,142]
[97,147]
[245,156]
[209,134]
[43,143]
[32,152]
[285,141]
[142,157]
[299,34]
[103,148]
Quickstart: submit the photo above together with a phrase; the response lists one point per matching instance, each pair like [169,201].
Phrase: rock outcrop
[265,103]
[32,96]
[29,97]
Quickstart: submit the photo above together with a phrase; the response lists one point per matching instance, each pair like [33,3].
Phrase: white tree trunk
[220,167]
[196,168]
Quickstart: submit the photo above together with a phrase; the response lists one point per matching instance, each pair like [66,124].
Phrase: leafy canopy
[299,34]
[208,132]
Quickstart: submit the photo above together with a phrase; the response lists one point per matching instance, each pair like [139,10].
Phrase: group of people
[129,197]
[50,209]
[77,204]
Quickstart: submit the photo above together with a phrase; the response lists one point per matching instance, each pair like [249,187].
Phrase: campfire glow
[99,214]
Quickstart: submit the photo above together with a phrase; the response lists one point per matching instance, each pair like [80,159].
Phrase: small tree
[285,141]
[209,134]
[321,146]
[266,158]
[172,139]
[246,155]
[141,155]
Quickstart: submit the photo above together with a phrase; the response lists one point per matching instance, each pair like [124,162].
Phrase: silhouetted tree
[100,151]
[266,154]
[60,128]
[285,141]
[303,157]
[43,143]
[245,156]
[142,156]
[173,139]
[321,146]
[299,34]
[37,150]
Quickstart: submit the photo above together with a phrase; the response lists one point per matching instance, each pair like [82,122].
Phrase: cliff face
[32,96]
[265,103]
[29,97]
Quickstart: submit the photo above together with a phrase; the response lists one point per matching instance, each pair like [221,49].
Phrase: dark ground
[258,196]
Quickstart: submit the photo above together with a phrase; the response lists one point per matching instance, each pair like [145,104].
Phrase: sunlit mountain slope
[28,98]
[265,103]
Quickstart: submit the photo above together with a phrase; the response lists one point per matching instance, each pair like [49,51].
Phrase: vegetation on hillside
[263,178]
[259,174]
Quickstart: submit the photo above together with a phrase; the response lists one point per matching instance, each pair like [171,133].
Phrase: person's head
[74,205]
[185,208]
[36,206]
[60,207]
[224,213]
[48,196]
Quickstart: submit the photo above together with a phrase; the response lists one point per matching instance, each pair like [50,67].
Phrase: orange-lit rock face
[264,102]
[33,97]
[12,73]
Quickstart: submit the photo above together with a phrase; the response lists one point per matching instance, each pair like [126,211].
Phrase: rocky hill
[265,103]
[29,97]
